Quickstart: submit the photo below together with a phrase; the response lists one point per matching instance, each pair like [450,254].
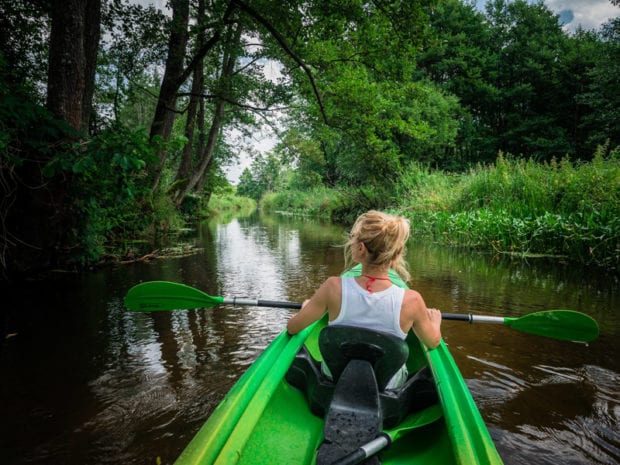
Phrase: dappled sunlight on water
[86,381]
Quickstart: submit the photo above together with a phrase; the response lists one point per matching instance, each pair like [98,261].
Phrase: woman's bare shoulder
[333,281]
[412,296]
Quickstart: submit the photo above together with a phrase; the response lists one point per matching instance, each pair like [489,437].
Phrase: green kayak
[283,410]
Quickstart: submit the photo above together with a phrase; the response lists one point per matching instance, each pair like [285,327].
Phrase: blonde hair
[385,237]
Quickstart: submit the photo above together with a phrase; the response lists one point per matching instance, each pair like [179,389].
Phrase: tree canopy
[111,108]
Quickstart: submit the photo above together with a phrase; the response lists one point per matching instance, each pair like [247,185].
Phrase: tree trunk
[66,74]
[195,101]
[166,104]
[209,149]
[187,157]
[224,85]
[74,43]
[92,33]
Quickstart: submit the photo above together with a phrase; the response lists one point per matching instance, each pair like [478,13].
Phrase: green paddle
[566,325]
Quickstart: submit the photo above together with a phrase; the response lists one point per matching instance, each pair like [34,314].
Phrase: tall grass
[319,202]
[517,206]
[226,202]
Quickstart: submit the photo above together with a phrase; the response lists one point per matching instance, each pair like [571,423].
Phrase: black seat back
[340,344]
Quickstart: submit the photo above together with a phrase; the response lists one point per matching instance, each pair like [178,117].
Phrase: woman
[377,241]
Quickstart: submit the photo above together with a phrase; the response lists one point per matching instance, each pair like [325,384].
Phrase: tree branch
[230,101]
[207,46]
[276,35]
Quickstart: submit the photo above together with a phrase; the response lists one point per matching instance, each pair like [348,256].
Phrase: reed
[517,206]
[226,202]
[319,202]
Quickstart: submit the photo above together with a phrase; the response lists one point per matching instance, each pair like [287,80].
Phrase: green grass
[226,202]
[319,202]
[517,206]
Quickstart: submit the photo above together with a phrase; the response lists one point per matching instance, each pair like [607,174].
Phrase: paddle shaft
[295,305]
[566,325]
[367,450]
[260,303]
[468,317]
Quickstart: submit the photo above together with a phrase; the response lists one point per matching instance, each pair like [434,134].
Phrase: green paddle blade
[164,295]
[416,420]
[566,325]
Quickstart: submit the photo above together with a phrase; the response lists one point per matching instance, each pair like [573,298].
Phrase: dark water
[83,381]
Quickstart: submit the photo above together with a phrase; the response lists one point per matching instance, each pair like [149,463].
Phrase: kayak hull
[265,420]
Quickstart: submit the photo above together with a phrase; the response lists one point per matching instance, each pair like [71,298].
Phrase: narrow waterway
[84,381]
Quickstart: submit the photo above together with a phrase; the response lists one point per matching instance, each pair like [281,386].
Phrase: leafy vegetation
[226,200]
[562,209]
[466,119]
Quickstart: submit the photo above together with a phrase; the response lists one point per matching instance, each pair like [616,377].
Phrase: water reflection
[85,381]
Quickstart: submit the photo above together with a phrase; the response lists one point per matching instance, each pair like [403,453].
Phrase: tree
[207,150]
[131,52]
[74,42]
[39,214]
[248,187]
[174,77]
[380,115]
[456,57]
[24,33]
[602,95]
[583,52]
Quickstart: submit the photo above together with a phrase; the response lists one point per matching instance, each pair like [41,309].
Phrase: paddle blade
[164,295]
[416,420]
[566,325]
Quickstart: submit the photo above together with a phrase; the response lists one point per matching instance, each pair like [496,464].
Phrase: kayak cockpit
[352,396]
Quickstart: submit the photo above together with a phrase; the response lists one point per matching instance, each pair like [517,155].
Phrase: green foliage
[25,126]
[602,94]
[24,30]
[267,173]
[133,45]
[110,189]
[224,202]
[318,202]
[516,206]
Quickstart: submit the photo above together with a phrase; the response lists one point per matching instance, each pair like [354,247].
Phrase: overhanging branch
[280,39]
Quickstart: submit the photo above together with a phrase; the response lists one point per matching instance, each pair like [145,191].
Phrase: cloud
[590,14]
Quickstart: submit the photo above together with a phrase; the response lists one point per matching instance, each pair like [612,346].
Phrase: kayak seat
[340,344]
[361,362]
[305,374]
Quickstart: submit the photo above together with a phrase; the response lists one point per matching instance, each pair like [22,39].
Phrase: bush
[319,202]
[518,206]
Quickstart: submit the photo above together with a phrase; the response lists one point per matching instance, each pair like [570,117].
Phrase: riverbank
[560,209]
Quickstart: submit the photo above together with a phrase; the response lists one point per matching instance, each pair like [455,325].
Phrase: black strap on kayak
[354,416]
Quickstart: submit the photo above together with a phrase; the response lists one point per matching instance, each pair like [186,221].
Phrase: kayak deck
[265,420]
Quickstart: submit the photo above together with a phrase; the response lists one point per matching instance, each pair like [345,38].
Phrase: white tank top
[377,310]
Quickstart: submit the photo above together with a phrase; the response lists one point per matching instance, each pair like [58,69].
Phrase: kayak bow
[265,420]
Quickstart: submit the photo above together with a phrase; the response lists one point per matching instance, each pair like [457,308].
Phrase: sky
[590,14]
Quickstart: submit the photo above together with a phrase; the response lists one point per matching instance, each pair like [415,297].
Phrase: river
[84,381]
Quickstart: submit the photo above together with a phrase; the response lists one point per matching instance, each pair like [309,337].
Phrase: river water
[84,381]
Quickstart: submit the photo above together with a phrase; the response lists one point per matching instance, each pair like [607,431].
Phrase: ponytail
[385,237]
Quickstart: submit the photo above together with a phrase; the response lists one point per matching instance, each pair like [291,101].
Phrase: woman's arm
[425,322]
[315,307]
